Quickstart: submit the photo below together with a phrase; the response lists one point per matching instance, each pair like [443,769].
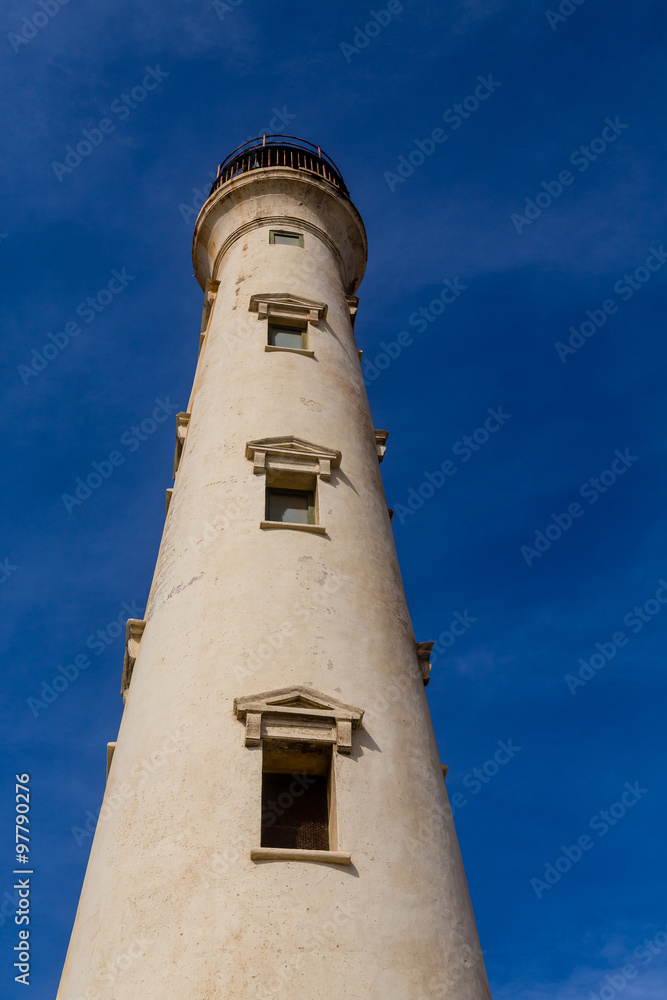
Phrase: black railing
[279,151]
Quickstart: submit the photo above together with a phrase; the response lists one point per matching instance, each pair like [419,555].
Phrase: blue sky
[554,85]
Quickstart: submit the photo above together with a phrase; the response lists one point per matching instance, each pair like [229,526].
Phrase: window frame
[284,232]
[293,717]
[302,330]
[291,492]
[317,761]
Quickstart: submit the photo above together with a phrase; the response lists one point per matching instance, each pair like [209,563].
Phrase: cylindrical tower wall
[235,610]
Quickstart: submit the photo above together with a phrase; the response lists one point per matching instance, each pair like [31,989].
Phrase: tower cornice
[280,196]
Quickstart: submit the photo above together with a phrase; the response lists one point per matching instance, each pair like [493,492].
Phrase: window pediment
[292,454]
[352,305]
[381,443]
[298,714]
[424,657]
[283,306]
[133,633]
[182,422]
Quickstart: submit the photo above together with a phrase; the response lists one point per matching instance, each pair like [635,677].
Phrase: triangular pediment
[292,446]
[276,304]
[303,698]
[285,299]
[299,702]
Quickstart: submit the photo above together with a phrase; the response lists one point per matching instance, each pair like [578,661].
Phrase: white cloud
[649,983]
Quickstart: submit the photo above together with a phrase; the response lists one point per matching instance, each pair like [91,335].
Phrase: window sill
[290,350]
[295,854]
[316,529]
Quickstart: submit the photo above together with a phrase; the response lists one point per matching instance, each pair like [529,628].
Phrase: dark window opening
[295,811]
[296,795]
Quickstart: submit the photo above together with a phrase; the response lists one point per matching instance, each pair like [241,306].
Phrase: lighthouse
[276,823]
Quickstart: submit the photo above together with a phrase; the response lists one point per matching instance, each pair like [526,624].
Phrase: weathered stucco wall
[235,610]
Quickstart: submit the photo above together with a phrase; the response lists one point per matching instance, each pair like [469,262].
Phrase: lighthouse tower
[276,824]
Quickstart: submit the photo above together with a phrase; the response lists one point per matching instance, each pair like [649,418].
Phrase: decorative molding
[182,422]
[289,350]
[445,768]
[381,443]
[283,306]
[315,529]
[279,222]
[133,633]
[297,854]
[424,657]
[298,714]
[110,749]
[170,493]
[210,293]
[352,305]
[291,454]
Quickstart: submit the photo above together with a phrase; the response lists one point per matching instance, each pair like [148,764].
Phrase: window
[296,472]
[287,336]
[290,506]
[296,796]
[288,239]
[302,734]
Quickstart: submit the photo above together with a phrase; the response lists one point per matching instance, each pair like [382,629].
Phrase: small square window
[287,239]
[296,797]
[287,336]
[290,506]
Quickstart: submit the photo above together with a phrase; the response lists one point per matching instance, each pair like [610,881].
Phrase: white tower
[276,823]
